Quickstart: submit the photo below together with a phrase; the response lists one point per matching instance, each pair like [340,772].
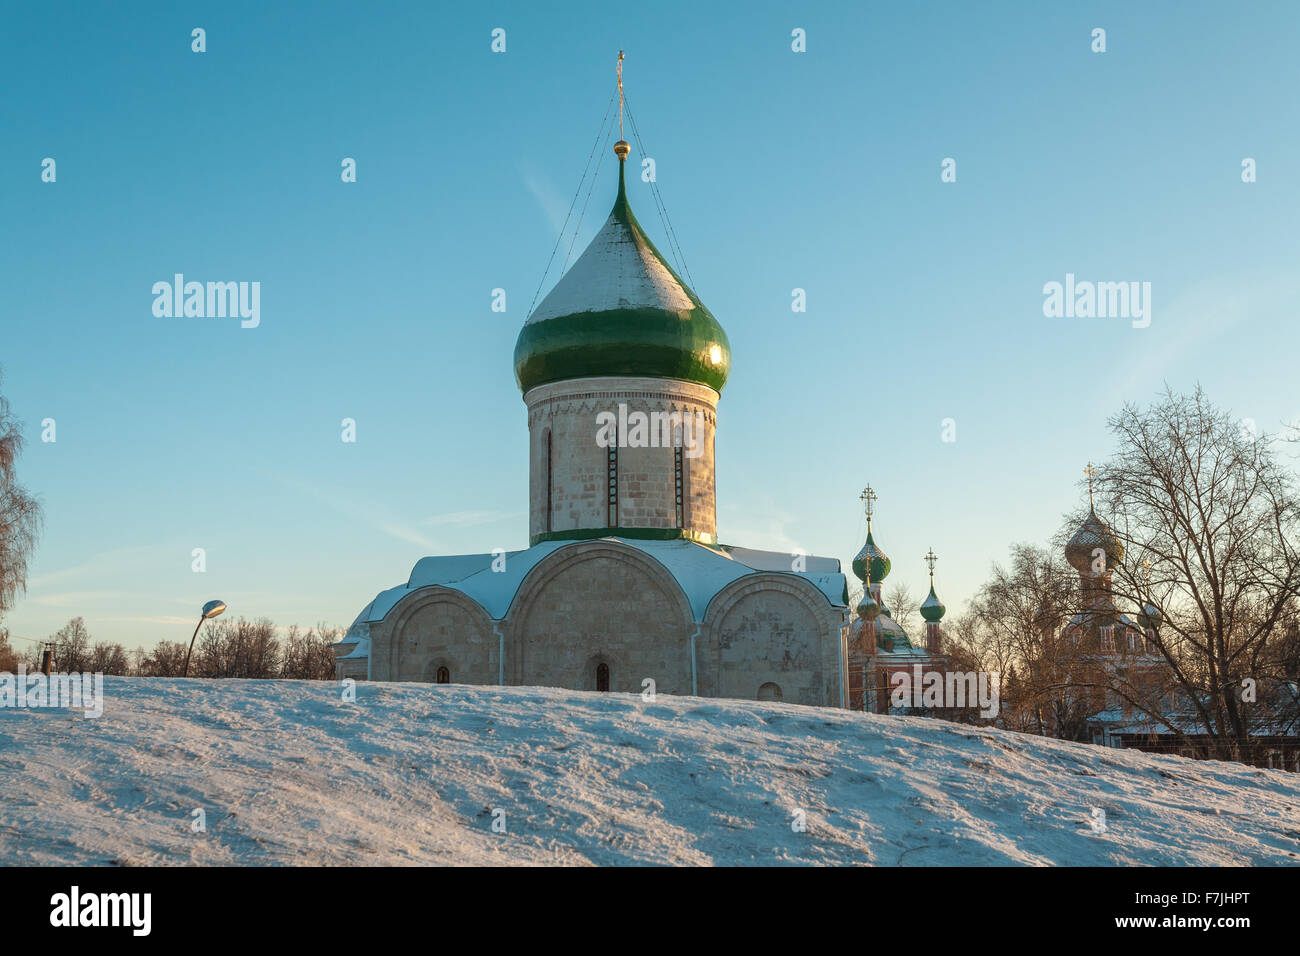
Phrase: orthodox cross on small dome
[1091,472]
[869,498]
[930,559]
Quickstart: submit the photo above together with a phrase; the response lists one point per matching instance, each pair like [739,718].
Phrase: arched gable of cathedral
[431,628]
[600,602]
[771,629]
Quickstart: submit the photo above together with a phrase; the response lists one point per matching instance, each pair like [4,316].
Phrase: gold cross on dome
[930,559]
[1091,472]
[869,497]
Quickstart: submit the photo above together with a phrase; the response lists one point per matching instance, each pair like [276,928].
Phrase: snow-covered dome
[621,311]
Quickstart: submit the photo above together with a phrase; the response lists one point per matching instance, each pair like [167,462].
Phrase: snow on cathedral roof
[615,272]
[700,571]
[621,310]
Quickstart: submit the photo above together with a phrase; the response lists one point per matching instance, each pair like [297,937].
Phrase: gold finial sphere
[621,149]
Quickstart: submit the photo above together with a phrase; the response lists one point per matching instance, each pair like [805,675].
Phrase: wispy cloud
[382,518]
[1204,312]
[463,519]
[369,513]
[100,563]
[170,620]
[549,198]
[403,533]
[75,598]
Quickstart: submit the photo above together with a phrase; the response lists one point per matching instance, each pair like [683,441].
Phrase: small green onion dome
[932,608]
[1093,534]
[621,311]
[868,609]
[1150,618]
[873,556]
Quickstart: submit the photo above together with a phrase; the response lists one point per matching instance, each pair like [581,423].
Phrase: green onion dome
[621,310]
[932,608]
[1093,534]
[872,556]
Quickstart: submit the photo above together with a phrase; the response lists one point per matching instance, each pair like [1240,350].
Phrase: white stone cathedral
[621,367]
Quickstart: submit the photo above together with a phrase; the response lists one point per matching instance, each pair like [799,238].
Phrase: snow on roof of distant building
[1081,617]
[886,626]
[1116,722]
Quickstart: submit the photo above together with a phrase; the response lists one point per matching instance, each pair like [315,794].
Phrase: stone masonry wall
[579,487]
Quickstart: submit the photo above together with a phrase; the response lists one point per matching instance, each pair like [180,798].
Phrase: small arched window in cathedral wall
[602,677]
[444,676]
[769,691]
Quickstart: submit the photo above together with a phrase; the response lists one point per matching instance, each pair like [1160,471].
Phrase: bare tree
[246,649]
[8,656]
[32,656]
[1011,627]
[238,648]
[20,513]
[296,654]
[902,606]
[72,651]
[307,655]
[216,651]
[167,659]
[1211,527]
[259,649]
[106,658]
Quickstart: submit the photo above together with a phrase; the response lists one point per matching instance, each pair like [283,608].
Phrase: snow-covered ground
[285,772]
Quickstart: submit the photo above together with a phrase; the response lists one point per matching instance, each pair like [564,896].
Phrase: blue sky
[818,170]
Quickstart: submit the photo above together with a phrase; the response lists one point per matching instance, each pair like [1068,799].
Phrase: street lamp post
[211,609]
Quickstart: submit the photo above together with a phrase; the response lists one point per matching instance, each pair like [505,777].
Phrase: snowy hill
[285,772]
